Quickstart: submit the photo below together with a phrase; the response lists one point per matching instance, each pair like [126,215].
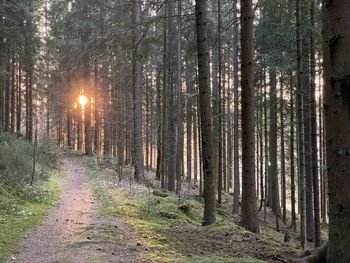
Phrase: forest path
[75,232]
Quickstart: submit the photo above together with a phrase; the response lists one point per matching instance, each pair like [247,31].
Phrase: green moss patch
[23,211]
[171,226]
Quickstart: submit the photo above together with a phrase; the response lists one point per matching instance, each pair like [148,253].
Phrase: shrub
[48,153]
[16,159]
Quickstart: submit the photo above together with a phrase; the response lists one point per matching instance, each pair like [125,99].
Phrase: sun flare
[82,100]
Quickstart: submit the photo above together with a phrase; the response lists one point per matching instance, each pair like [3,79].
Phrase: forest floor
[104,216]
[171,226]
[75,231]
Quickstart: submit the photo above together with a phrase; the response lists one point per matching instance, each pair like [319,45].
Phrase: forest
[174,131]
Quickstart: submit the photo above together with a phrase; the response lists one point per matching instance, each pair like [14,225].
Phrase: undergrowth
[23,206]
[171,226]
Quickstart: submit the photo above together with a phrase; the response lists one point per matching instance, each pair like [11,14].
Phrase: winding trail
[75,232]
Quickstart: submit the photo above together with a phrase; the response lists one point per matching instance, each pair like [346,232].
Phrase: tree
[236,174]
[337,107]
[171,68]
[137,94]
[205,113]
[272,172]
[316,195]
[300,128]
[249,209]
[107,118]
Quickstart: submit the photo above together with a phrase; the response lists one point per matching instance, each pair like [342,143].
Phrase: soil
[76,232]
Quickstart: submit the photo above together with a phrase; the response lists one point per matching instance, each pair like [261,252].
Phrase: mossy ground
[171,226]
[22,210]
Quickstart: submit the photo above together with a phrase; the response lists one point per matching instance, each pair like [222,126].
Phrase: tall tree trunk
[236,165]
[87,109]
[97,110]
[266,153]
[107,114]
[69,114]
[208,156]
[79,130]
[189,122]
[159,129]
[7,91]
[137,94]
[146,125]
[2,99]
[272,172]
[292,158]
[19,99]
[13,93]
[164,158]
[171,82]
[336,22]
[261,145]
[179,95]
[196,143]
[300,117]
[218,128]
[249,209]
[283,164]
[316,195]
[215,92]
[308,158]
[321,152]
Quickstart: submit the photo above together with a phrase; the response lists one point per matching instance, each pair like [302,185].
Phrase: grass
[25,215]
[171,228]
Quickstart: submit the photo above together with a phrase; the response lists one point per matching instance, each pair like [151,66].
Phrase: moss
[27,214]
[171,226]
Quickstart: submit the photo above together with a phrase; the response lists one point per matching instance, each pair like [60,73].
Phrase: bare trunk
[137,95]
[236,165]
[337,107]
[249,209]
[107,114]
[300,117]
[180,124]
[292,158]
[283,164]
[272,172]
[316,195]
[208,156]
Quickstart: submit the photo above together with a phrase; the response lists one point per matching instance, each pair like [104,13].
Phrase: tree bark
[314,148]
[137,95]
[249,209]
[107,114]
[283,162]
[236,164]
[171,85]
[205,113]
[337,107]
[300,117]
[292,158]
[179,96]
[159,129]
[97,110]
[272,172]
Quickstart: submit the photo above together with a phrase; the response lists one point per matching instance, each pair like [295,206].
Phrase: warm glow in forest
[174,131]
[82,100]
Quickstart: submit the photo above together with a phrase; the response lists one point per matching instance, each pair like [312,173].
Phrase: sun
[82,100]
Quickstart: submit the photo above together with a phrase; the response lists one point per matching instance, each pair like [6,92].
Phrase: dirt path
[74,231]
